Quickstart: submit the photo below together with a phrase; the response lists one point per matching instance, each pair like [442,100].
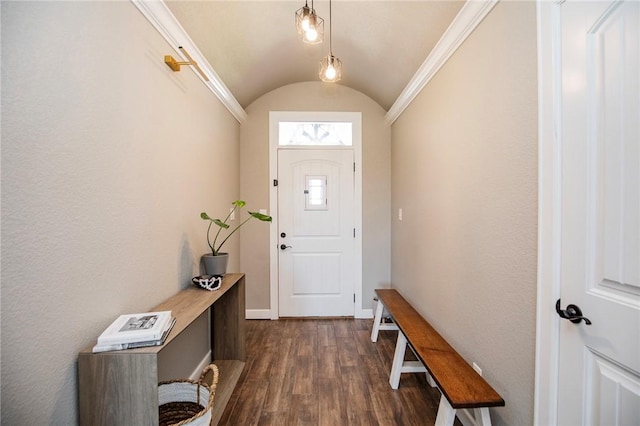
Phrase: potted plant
[215,263]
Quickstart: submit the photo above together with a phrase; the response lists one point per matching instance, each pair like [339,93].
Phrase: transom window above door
[297,133]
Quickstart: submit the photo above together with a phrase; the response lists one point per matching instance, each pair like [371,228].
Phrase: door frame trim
[274,118]
[549,203]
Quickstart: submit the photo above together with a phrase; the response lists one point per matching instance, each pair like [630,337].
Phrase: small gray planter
[215,265]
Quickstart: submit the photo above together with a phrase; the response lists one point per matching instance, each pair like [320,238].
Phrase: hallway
[325,372]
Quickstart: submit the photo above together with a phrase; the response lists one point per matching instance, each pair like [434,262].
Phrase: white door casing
[315,226]
[275,117]
[589,239]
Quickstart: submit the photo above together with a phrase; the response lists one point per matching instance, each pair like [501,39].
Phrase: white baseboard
[205,361]
[266,314]
[258,314]
[364,314]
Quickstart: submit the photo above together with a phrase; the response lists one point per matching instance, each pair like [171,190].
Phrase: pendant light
[330,66]
[309,25]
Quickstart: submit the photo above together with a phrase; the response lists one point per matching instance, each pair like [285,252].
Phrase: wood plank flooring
[325,372]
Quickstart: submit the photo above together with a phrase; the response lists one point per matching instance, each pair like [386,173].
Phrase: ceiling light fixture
[309,25]
[330,66]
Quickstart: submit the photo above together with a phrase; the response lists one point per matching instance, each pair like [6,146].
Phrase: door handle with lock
[284,247]
[573,313]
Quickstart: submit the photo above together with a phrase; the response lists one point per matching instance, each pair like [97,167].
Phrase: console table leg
[228,324]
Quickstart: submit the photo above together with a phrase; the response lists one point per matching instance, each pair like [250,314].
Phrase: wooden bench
[461,386]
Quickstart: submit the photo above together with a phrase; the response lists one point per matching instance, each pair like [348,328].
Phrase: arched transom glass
[315,133]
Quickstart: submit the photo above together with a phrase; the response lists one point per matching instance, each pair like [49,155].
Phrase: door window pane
[316,193]
[315,133]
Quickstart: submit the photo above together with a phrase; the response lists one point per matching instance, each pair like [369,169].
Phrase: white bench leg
[379,324]
[376,321]
[398,360]
[399,365]
[417,367]
[446,413]
[482,416]
[430,380]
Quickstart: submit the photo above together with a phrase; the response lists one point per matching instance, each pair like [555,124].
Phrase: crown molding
[469,17]
[159,15]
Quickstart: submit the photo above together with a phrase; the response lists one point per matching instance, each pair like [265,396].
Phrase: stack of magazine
[136,331]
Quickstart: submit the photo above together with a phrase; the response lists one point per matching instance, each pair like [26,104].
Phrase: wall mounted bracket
[175,65]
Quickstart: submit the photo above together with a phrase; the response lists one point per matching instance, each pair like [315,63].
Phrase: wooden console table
[121,387]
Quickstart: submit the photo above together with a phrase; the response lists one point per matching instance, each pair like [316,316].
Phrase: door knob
[284,247]
[573,313]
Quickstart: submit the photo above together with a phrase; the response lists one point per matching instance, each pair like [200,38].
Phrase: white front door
[316,232]
[599,268]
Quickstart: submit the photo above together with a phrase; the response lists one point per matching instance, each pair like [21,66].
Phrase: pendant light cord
[330,30]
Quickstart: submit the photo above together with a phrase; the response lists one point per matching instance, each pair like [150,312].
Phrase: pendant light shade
[330,69]
[330,66]
[309,25]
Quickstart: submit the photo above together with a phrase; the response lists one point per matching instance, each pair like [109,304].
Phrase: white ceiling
[254,47]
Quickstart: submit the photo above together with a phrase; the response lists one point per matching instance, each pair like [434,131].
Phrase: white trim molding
[159,15]
[195,375]
[469,17]
[364,313]
[257,314]
[549,223]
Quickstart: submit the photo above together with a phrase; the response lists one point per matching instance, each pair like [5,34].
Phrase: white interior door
[316,232]
[599,364]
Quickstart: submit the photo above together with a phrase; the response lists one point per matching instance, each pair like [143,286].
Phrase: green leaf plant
[222,224]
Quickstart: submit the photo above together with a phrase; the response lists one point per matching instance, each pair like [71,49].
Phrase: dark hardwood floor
[325,372]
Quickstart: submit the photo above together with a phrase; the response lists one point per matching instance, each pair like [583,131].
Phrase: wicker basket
[188,402]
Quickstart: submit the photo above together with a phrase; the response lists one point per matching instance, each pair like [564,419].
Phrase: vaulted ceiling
[254,48]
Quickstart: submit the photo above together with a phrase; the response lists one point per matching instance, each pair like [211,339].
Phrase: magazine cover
[141,327]
[121,346]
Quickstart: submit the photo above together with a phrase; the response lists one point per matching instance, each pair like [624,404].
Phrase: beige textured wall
[108,157]
[464,171]
[254,181]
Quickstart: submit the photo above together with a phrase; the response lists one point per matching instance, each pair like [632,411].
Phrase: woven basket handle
[209,376]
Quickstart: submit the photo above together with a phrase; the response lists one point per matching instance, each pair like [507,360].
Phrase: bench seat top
[458,381]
